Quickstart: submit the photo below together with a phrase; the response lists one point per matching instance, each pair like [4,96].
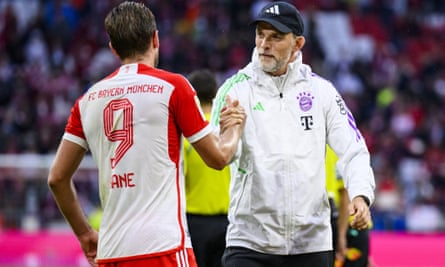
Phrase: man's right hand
[88,242]
[232,114]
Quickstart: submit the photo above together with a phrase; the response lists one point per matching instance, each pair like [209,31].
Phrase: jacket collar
[296,70]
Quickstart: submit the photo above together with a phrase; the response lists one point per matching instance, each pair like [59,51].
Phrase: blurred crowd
[385,57]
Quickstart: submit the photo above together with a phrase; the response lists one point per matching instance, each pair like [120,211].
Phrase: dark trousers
[208,234]
[243,257]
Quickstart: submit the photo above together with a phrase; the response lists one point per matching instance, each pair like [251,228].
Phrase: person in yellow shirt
[351,246]
[337,199]
[207,189]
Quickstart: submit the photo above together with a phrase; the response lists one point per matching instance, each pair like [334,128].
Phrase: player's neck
[148,59]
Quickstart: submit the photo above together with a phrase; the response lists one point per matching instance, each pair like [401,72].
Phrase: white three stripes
[182,258]
[273,10]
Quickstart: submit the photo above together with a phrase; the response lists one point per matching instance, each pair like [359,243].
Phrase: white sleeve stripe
[197,136]
[75,139]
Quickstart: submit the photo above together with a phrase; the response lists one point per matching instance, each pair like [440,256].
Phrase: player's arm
[67,160]
[218,151]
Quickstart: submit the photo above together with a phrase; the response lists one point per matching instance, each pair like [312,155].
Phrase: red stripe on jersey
[184,117]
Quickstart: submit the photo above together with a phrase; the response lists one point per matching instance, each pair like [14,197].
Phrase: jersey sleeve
[188,113]
[73,129]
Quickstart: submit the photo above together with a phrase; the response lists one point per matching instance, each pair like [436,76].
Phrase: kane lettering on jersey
[133,122]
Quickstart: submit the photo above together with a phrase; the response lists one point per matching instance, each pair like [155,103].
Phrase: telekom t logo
[307,122]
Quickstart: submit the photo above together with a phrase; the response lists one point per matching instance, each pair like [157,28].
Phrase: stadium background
[385,57]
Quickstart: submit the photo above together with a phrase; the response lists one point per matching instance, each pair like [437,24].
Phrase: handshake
[232,114]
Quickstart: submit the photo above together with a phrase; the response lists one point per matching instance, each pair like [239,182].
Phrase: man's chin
[267,69]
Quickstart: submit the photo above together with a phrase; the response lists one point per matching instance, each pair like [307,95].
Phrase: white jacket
[279,203]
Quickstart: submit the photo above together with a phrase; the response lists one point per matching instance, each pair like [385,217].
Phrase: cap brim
[277,25]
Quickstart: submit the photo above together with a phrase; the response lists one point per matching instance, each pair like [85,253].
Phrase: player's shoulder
[320,80]
[167,76]
[322,85]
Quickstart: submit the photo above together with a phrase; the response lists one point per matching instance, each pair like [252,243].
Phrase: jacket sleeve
[227,88]
[219,103]
[217,106]
[344,137]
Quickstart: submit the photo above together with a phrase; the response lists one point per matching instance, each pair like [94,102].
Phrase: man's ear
[155,40]
[300,41]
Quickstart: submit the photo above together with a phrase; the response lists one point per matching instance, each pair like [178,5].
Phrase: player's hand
[232,114]
[88,242]
[361,216]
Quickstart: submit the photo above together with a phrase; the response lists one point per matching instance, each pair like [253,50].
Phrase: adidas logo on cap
[282,16]
[273,10]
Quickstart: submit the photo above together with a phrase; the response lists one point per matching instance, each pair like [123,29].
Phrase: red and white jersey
[133,122]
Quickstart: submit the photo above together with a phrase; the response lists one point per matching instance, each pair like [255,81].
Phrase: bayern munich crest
[305,100]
